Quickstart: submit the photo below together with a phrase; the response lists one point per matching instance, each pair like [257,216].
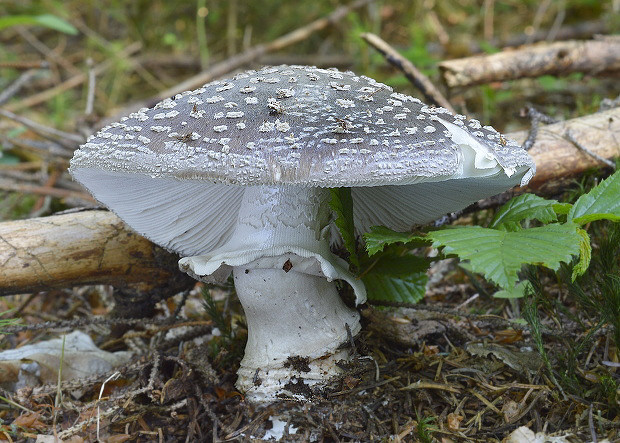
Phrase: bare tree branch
[413,74]
[88,247]
[557,158]
[592,57]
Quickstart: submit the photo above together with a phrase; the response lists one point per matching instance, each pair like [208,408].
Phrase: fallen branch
[95,246]
[88,247]
[556,156]
[594,57]
[417,78]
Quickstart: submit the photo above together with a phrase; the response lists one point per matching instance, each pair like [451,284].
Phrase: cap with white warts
[292,125]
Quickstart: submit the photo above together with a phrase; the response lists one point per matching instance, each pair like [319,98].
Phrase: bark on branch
[89,247]
[595,57]
[558,159]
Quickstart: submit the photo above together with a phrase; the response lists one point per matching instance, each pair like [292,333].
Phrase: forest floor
[436,371]
[459,366]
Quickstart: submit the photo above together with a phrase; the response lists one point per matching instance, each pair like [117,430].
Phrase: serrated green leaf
[342,205]
[499,255]
[47,20]
[517,291]
[409,289]
[602,202]
[585,255]
[524,207]
[380,236]
[397,265]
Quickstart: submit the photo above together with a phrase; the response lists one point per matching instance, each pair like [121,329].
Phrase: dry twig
[83,322]
[413,74]
[536,118]
[570,137]
[14,87]
[6,185]
[48,132]
[76,80]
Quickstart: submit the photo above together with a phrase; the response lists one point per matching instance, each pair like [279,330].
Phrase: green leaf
[342,205]
[56,23]
[397,265]
[562,208]
[585,255]
[602,202]
[380,236]
[499,255]
[409,289]
[517,291]
[524,207]
[47,20]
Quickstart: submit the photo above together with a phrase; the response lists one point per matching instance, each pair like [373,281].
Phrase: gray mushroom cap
[176,172]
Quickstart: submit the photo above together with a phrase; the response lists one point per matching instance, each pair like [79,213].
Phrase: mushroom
[234,177]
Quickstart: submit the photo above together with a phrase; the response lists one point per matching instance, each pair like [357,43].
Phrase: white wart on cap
[233,176]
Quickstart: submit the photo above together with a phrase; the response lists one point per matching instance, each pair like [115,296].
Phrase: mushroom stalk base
[296,325]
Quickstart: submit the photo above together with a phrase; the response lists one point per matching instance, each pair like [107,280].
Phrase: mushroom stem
[285,278]
[296,323]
